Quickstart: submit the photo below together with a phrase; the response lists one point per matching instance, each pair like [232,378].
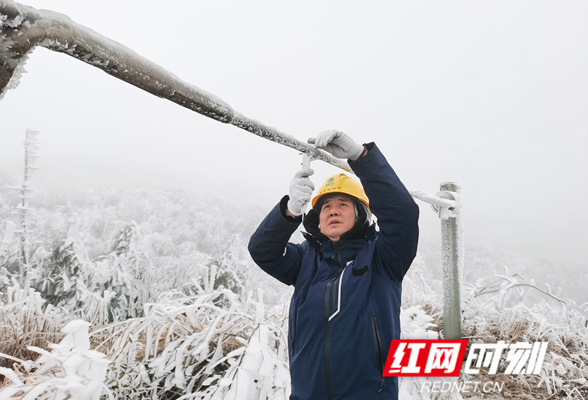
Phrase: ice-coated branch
[22,28]
[275,135]
[434,200]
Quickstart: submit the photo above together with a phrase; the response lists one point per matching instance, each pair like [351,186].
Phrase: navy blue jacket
[346,303]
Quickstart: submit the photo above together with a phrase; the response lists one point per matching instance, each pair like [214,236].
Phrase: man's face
[337,216]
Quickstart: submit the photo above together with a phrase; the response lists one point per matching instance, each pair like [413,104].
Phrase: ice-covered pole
[22,28]
[447,204]
[452,253]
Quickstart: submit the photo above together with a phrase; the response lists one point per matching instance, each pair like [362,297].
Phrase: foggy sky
[492,95]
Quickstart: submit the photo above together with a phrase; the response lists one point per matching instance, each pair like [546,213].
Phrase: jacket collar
[347,248]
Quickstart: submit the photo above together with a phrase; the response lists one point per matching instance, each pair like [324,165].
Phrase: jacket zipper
[327,341]
[379,350]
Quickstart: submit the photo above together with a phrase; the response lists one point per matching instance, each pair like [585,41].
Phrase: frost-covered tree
[60,276]
[31,154]
[124,275]
[112,288]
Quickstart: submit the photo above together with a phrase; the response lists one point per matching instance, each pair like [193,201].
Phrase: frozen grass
[510,308]
[24,323]
[206,346]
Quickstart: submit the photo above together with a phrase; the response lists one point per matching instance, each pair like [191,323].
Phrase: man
[347,275]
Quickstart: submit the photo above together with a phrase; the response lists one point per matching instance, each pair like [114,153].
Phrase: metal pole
[452,252]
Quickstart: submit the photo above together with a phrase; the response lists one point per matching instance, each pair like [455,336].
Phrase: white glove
[300,192]
[338,144]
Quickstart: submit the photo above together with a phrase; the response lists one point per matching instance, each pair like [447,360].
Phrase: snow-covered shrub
[192,348]
[112,288]
[227,270]
[59,276]
[422,306]
[25,321]
[259,370]
[123,276]
[416,324]
[71,370]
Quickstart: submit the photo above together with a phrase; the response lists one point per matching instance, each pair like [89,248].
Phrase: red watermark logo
[425,357]
[445,358]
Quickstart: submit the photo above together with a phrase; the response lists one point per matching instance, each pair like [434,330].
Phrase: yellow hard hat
[341,183]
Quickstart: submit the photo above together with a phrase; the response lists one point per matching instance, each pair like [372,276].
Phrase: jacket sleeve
[395,209]
[269,246]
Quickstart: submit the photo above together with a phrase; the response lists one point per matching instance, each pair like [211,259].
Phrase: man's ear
[362,223]
[311,224]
